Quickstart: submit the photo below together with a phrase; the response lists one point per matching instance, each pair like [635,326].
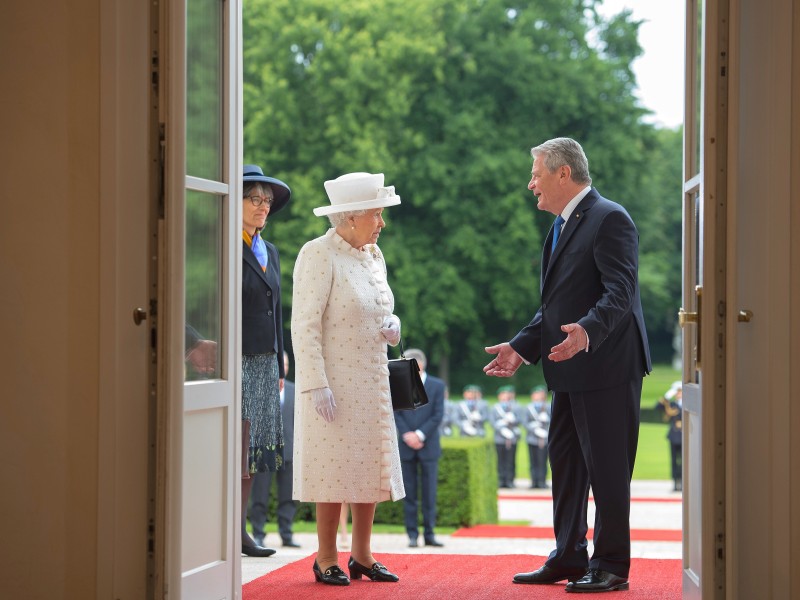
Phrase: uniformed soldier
[537,425]
[507,421]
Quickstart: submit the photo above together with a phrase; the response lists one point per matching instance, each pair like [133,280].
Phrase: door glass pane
[204,90]
[697,137]
[204,222]
[693,277]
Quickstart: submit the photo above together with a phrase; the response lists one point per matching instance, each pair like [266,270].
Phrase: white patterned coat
[340,300]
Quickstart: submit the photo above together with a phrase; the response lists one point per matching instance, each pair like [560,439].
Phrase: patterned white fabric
[340,300]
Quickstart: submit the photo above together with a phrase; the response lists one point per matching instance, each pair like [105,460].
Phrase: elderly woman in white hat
[345,437]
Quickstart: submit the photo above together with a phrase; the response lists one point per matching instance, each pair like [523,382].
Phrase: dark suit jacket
[426,419]
[591,279]
[287,412]
[262,324]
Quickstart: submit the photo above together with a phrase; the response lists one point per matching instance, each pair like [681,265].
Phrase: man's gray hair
[419,355]
[564,151]
[340,218]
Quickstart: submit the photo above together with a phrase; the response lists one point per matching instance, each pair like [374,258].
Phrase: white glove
[391,330]
[323,403]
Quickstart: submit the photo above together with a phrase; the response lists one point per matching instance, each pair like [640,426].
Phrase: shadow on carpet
[456,576]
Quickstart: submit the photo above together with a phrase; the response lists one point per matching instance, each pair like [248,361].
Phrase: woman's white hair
[340,218]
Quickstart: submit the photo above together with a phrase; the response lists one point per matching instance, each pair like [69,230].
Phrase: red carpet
[456,576]
[522,531]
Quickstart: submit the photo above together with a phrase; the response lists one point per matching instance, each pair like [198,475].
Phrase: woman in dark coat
[262,338]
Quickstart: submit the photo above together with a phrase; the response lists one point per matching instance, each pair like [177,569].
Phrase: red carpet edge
[546,533]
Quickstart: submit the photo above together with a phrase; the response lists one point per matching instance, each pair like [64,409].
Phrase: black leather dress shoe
[596,580]
[412,543]
[290,544]
[547,575]
[332,575]
[377,573]
[259,551]
[435,543]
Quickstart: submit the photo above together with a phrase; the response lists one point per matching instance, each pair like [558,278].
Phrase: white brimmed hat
[357,191]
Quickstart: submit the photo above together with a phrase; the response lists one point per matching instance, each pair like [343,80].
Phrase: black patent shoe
[377,573]
[257,551]
[546,575]
[332,575]
[596,580]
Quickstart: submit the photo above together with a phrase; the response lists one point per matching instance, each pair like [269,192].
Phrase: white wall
[68,502]
[763,410]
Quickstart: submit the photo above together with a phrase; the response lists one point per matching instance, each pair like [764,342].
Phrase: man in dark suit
[420,449]
[589,334]
[259,495]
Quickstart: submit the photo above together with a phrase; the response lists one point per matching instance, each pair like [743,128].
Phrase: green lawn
[652,456]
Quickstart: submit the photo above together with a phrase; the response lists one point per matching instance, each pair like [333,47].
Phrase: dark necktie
[556,232]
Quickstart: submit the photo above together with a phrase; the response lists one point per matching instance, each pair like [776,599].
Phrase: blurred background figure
[473,412]
[671,405]
[420,450]
[344,517]
[449,416]
[506,422]
[537,425]
[201,353]
[262,482]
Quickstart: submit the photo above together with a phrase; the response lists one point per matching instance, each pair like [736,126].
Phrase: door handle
[745,316]
[685,317]
[139,315]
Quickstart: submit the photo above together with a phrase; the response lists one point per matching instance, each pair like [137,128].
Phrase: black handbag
[405,383]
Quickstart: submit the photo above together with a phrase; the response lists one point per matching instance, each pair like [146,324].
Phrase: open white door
[702,314]
[199,263]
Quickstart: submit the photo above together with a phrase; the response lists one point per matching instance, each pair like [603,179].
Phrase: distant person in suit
[537,424]
[262,483]
[420,450]
[590,335]
[671,404]
[506,420]
[473,412]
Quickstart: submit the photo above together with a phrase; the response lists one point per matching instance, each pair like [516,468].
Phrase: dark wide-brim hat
[280,191]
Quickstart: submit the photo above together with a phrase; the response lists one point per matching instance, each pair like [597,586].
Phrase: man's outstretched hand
[576,341]
[505,364]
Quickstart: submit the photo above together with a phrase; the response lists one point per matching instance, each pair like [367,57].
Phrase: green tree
[445,97]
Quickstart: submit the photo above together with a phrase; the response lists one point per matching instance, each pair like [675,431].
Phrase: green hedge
[467,490]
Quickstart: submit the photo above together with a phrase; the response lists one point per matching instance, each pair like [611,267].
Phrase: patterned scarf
[258,247]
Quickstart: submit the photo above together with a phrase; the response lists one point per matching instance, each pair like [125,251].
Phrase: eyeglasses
[259,200]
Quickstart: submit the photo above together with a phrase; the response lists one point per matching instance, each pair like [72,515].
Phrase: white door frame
[704,296]
[208,407]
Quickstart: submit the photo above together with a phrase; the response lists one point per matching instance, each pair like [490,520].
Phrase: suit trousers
[537,457]
[420,480]
[592,442]
[506,464]
[259,502]
[676,460]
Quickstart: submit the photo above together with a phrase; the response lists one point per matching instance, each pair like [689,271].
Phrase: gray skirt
[261,406]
